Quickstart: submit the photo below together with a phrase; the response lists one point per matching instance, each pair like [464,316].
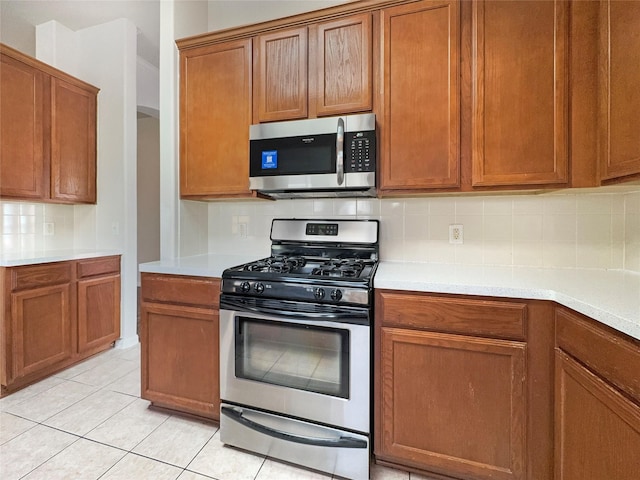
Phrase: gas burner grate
[347,267]
[277,264]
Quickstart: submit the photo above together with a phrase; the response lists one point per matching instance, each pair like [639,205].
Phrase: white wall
[16,32]
[147,88]
[148,189]
[105,56]
[183,224]
[232,13]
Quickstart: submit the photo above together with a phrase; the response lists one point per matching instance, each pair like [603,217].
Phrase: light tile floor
[89,422]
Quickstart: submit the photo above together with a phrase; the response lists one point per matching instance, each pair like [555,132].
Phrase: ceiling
[79,14]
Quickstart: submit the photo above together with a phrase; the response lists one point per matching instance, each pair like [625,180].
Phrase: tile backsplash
[23,226]
[592,230]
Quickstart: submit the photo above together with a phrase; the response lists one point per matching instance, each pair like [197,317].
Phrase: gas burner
[277,264]
[339,268]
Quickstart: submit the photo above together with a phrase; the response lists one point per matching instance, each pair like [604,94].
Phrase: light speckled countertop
[609,296]
[48,256]
[198,265]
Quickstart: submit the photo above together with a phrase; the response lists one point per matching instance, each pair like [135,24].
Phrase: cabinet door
[519,93]
[180,365]
[41,327]
[597,428]
[280,75]
[619,88]
[22,149]
[452,404]
[420,121]
[98,312]
[73,143]
[215,114]
[340,73]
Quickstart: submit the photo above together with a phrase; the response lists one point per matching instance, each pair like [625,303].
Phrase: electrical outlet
[49,228]
[242,230]
[456,234]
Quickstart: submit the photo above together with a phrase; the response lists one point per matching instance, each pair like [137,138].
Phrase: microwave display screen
[293,156]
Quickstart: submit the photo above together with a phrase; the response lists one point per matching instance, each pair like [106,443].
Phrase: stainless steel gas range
[295,346]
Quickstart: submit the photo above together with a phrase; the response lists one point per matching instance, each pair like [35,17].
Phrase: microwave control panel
[360,151]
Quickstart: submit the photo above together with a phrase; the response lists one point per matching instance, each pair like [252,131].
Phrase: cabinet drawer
[40,275]
[610,354]
[445,314]
[98,266]
[181,290]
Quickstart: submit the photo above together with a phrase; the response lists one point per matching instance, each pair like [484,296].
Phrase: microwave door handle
[340,151]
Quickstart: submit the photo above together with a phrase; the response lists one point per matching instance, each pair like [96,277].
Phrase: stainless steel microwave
[320,157]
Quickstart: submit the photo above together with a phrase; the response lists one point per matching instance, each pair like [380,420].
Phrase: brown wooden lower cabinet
[463,386]
[41,326]
[597,415]
[98,303]
[54,315]
[454,403]
[179,330]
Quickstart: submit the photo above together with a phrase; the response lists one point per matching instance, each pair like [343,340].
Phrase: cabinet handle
[340,151]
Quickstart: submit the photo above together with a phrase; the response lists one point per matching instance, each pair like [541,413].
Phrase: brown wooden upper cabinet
[520,93]
[73,143]
[280,75]
[420,112]
[340,78]
[215,114]
[322,69]
[48,130]
[619,89]
[469,95]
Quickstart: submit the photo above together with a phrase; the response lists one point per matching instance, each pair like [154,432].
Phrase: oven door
[310,365]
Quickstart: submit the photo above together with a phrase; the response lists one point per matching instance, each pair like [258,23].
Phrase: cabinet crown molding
[298,20]
[46,68]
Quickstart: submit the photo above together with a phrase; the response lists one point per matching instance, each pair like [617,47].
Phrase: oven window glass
[309,358]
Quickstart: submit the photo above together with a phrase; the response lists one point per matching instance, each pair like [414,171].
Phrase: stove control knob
[245,287]
[318,293]
[336,295]
[259,287]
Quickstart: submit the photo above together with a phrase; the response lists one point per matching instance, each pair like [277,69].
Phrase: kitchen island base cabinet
[179,330]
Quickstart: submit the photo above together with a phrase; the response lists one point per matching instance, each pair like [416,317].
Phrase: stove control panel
[296,291]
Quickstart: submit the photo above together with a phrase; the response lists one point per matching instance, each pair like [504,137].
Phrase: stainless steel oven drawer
[330,450]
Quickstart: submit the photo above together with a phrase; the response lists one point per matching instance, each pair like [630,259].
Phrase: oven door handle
[340,442]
